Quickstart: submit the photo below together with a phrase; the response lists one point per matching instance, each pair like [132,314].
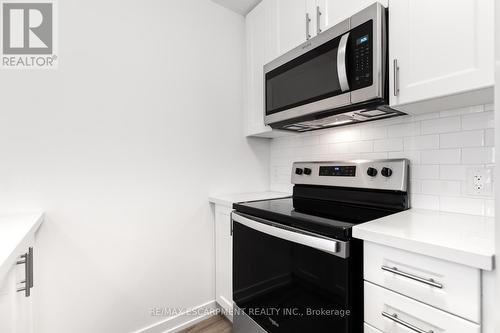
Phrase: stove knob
[372,172]
[299,171]
[307,171]
[386,172]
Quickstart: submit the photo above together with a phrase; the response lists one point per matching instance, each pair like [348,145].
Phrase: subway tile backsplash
[441,147]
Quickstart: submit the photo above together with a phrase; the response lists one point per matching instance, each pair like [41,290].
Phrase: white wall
[497,142]
[120,147]
[441,147]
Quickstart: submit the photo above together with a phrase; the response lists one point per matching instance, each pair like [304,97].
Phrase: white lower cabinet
[410,292]
[223,258]
[394,313]
[7,302]
[445,285]
[370,329]
[16,306]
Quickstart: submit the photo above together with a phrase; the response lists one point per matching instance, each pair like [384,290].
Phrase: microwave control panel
[361,42]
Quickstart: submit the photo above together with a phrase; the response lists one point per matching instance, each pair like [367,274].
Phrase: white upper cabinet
[262,47]
[292,24]
[442,48]
[313,19]
[299,20]
[332,12]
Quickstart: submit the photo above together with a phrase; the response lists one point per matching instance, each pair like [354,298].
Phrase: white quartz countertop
[460,238]
[15,233]
[228,199]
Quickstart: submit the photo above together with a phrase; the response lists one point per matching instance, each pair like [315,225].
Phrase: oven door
[287,280]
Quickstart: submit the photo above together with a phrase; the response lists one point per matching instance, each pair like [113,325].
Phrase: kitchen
[121,167]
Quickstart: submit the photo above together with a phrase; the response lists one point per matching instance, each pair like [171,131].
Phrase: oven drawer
[370,329]
[394,313]
[445,285]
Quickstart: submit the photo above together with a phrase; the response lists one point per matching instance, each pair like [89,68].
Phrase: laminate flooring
[215,324]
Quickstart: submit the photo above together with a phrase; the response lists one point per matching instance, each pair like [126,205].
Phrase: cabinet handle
[231,225]
[308,20]
[318,20]
[22,262]
[27,274]
[396,78]
[394,318]
[429,282]
[30,267]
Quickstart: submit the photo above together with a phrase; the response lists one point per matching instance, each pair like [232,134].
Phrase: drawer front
[390,312]
[445,285]
[370,329]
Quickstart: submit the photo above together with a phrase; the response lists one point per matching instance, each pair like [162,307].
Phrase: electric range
[296,267]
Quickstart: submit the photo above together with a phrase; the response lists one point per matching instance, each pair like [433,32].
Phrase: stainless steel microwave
[337,78]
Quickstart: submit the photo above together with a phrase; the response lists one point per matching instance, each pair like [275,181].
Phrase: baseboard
[183,320]
[226,310]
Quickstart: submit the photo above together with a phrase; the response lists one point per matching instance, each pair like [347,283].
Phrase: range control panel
[338,171]
[376,174]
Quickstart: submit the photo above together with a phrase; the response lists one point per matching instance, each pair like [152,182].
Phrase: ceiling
[241,7]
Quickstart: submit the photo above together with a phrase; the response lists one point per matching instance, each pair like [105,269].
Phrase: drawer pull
[429,282]
[394,318]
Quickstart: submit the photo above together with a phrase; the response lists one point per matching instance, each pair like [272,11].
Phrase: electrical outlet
[479,181]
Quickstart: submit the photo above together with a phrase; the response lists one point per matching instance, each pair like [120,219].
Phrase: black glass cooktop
[327,218]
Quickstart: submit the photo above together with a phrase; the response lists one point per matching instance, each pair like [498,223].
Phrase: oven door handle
[338,248]
[341,63]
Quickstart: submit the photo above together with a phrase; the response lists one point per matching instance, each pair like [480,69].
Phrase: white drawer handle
[394,318]
[429,282]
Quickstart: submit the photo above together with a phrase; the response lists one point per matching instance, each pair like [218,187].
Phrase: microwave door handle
[342,63]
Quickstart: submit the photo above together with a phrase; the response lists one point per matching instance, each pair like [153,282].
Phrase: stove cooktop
[337,223]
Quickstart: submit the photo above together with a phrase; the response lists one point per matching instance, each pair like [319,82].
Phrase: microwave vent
[343,119]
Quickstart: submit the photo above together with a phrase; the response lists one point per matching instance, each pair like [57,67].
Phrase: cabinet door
[16,310]
[311,12]
[7,302]
[369,329]
[336,11]
[460,291]
[223,258]
[382,306]
[23,306]
[441,47]
[292,24]
[262,47]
